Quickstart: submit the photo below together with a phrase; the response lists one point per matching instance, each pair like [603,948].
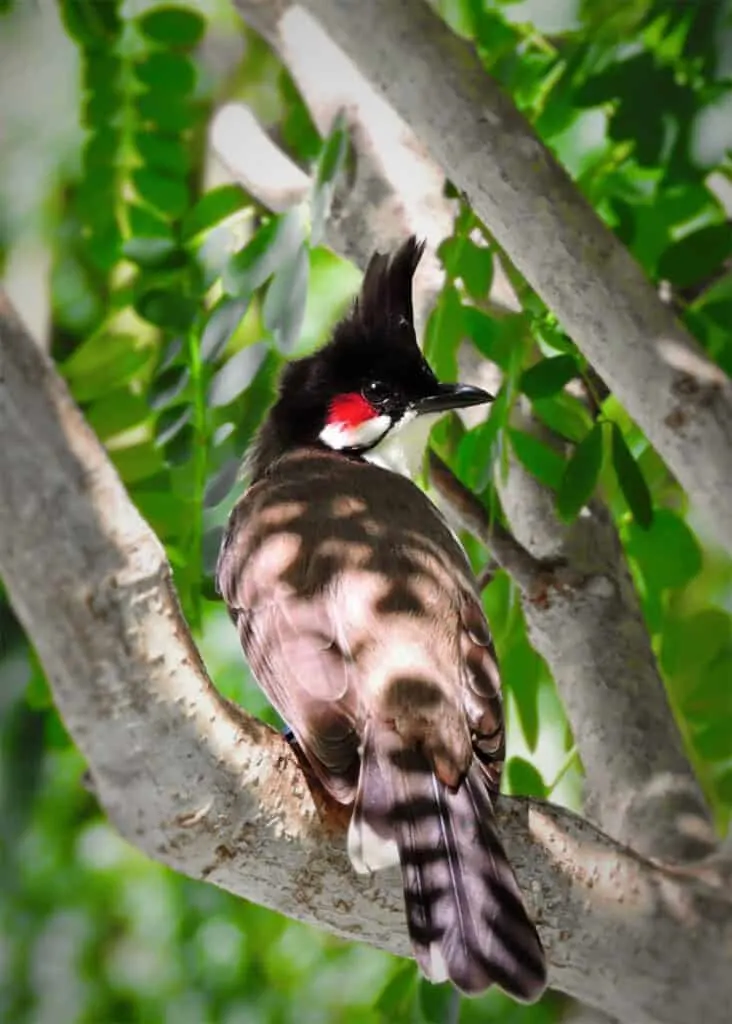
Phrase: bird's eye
[376,392]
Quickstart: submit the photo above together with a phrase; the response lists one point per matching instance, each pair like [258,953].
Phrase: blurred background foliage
[175,298]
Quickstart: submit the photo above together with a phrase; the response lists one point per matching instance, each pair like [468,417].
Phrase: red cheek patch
[350,410]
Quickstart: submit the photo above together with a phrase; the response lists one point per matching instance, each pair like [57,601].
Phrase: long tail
[465,915]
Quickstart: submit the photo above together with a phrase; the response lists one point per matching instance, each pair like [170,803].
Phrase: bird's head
[369,392]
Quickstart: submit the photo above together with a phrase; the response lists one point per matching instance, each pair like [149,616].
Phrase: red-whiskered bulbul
[362,621]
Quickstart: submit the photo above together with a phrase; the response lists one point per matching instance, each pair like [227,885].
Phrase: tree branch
[470,128]
[201,786]
[531,574]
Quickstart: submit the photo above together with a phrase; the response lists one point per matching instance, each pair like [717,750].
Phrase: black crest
[385,302]
[375,342]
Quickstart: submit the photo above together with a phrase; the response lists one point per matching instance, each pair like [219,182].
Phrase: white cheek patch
[342,435]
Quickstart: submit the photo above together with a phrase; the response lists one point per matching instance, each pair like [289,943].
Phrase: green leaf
[163,153]
[144,223]
[179,450]
[101,106]
[498,601]
[166,194]
[163,510]
[549,333]
[475,267]
[271,246]
[215,206]
[221,323]
[138,462]
[259,398]
[168,386]
[495,339]
[38,694]
[690,642]
[104,363]
[170,422]
[580,475]
[719,312]
[98,352]
[236,375]
[220,485]
[548,376]
[91,24]
[173,114]
[697,255]
[543,462]
[172,26]
[667,554]
[115,412]
[167,73]
[332,158]
[103,246]
[723,786]
[714,741]
[210,549]
[473,462]
[284,304]
[154,253]
[711,698]
[521,670]
[565,415]
[632,482]
[173,353]
[165,308]
[435,1001]
[397,996]
[444,333]
[101,149]
[524,779]
[77,304]
[333,152]
[476,449]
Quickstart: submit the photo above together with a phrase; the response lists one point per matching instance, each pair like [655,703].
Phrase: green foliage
[549,376]
[173,310]
[580,475]
[631,480]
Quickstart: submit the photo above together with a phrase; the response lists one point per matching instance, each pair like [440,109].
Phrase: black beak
[451,396]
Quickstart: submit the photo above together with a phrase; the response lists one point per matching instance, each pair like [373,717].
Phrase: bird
[361,619]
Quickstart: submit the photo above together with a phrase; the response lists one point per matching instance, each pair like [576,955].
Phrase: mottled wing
[293,647]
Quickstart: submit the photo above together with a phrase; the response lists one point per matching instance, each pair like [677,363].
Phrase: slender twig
[520,564]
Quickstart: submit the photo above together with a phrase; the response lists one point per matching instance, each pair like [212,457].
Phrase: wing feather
[293,645]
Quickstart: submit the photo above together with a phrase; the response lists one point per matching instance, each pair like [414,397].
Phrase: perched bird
[362,621]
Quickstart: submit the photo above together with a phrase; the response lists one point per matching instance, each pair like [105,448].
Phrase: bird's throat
[402,449]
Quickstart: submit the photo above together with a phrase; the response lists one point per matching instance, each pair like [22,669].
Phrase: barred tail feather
[465,915]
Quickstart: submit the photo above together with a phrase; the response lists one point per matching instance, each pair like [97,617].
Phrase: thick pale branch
[236,136]
[215,794]
[471,129]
